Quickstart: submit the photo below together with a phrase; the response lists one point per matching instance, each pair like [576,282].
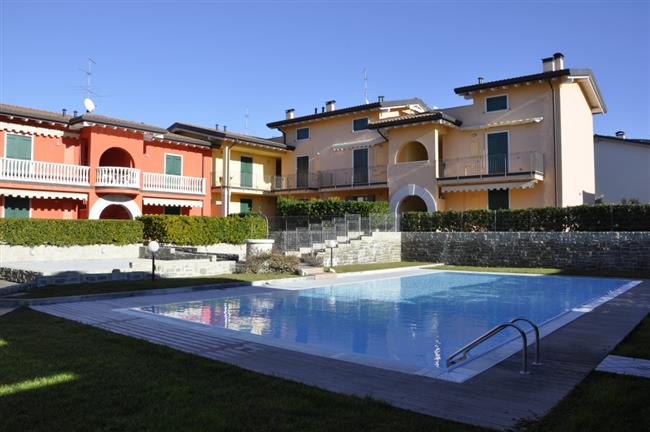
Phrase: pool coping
[496,398]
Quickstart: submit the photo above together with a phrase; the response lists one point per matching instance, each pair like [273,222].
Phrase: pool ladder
[452,359]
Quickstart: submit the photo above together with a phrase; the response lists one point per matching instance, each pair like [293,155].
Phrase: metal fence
[294,232]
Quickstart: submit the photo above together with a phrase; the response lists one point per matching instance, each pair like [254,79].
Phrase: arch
[115,211]
[116,157]
[412,152]
[108,200]
[412,190]
[412,203]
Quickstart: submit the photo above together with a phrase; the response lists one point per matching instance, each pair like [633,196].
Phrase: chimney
[620,134]
[288,114]
[225,128]
[315,110]
[64,111]
[330,105]
[216,126]
[74,113]
[480,80]
[380,99]
[548,64]
[558,60]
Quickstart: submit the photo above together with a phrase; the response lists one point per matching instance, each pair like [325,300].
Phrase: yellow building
[520,142]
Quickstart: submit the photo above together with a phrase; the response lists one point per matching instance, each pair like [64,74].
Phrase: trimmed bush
[579,218]
[317,209]
[203,230]
[272,263]
[57,232]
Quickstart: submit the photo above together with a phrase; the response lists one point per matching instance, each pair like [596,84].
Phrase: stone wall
[609,251]
[380,247]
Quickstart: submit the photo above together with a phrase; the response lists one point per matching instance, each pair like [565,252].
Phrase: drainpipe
[555,164]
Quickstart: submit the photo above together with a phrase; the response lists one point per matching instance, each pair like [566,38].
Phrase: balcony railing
[119,177]
[351,177]
[172,183]
[493,165]
[43,172]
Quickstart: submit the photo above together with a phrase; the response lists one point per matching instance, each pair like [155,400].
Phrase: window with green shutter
[16,207]
[246,171]
[245,205]
[19,147]
[173,165]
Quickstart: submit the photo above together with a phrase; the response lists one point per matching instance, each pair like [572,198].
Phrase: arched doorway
[115,211]
[412,203]
[412,190]
[412,152]
[116,157]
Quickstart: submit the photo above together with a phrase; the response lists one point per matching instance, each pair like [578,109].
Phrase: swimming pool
[407,323]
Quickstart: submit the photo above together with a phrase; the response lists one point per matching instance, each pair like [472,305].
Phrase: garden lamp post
[331,244]
[153,248]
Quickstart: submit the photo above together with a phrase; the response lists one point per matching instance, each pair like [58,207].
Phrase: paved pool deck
[496,398]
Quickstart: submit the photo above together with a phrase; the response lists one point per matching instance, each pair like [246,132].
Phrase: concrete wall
[622,170]
[607,251]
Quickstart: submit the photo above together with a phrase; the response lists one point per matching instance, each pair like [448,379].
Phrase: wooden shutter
[19,147]
[173,165]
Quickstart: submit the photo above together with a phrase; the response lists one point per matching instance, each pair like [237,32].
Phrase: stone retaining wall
[380,247]
[609,251]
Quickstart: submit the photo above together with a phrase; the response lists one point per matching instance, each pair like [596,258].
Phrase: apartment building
[622,168]
[60,166]
[519,142]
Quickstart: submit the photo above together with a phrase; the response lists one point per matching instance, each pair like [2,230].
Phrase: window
[245,205]
[497,152]
[498,199]
[246,171]
[302,172]
[360,166]
[359,124]
[173,164]
[496,103]
[16,208]
[19,147]
[172,210]
[302,133]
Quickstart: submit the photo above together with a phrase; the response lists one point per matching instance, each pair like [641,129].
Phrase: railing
[172,183]
[118,177]
[351,177]
[43,172]
[246,181]
[493,165]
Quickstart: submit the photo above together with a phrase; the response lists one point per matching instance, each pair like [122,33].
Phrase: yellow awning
[489,186]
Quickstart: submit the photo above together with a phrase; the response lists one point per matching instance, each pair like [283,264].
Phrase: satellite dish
[89,104]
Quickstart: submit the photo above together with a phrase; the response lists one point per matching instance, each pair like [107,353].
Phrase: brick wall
[609,251]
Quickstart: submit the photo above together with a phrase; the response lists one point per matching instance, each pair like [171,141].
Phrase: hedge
[34,232]
[579,218]
[328,208]
[203,230]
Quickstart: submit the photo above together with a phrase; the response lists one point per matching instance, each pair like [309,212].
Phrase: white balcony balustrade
[118,177]
[172,183]
[43,172]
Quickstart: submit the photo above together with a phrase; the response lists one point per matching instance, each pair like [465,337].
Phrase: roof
[185,139]
[415,118]
[348,110]
[214,134]
[642,141]
[535,77]
[110,121]
[18,111]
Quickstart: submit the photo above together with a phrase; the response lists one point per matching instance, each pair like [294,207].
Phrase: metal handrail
[465,350]
[537,361]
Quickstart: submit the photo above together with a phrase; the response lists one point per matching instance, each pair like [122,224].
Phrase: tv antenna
[365,85]
[246,117]
[88,102]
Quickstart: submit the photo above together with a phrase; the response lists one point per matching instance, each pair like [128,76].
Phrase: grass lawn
[57,375]
[546,271]
[125,286]
[378,266]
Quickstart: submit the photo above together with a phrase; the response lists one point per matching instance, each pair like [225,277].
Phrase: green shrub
[57,232]
[272,263]
[317,209]
[580,218]
[203,230]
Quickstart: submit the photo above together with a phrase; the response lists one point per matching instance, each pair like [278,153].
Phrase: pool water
[413,321]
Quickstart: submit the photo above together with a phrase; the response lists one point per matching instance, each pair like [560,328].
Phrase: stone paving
[625,366]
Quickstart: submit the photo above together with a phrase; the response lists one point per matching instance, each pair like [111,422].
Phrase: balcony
[118,177]
[507,167]
[350,177]
[173,183]
[43,172]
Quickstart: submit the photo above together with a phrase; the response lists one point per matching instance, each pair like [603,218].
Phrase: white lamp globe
[153,246]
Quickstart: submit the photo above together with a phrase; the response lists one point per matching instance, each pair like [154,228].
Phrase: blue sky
[207,62]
